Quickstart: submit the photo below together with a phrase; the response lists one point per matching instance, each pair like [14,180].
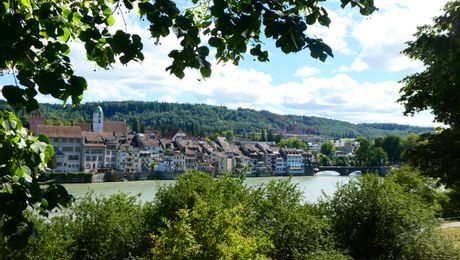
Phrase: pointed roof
[98,110]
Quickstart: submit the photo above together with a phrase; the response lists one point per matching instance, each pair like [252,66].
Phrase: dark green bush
[376,218]
[277,212]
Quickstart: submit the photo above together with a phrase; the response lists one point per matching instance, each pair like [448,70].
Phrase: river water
[313,187]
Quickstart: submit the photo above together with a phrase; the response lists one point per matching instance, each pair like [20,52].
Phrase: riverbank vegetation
[206,218]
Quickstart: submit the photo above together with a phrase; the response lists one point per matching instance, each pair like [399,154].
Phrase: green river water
[312,186]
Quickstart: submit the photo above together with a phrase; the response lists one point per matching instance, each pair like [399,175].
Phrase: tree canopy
[437,88]
[36,35]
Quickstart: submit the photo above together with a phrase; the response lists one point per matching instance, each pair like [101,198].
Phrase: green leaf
[110,20]
[26,3]
[206,71]
[38,147]
[324,20]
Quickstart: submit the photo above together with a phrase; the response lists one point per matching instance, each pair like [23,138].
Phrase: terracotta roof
[92,137]
[107,136]
[83,126]
[60,131]
[115,127]
[172,132]
[94,145]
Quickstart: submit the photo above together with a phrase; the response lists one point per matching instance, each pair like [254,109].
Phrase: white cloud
[335,35]
[306,71]
[357,65]
[382,36]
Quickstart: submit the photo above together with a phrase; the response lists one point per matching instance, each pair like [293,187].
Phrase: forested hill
[201,119]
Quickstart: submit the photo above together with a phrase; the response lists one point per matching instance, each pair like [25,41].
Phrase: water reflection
[327,173]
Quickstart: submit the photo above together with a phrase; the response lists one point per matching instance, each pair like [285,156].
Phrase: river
[312,186]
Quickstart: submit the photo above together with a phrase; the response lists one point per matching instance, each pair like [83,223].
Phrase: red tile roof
[115,127]
[60,131]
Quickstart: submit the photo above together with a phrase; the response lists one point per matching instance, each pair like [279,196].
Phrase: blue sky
[360,84]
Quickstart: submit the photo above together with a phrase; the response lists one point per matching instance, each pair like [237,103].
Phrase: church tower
[98,120]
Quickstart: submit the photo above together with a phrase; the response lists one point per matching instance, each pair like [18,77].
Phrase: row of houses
[104,145]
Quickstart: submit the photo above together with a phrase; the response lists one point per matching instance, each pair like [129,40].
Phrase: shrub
[95,227]
[375,217]
[293,228]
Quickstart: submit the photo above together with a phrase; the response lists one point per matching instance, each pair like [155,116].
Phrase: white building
[67,144]
[294,161]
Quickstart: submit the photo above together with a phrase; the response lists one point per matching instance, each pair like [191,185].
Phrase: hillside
[201,119]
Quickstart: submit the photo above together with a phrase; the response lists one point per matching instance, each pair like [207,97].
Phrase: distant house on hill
[175,134]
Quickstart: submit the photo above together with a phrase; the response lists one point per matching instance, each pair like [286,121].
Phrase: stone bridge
[346,170]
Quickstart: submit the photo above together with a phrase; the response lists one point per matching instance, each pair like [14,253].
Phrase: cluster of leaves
[23,159]
[205,218]
[36,35]
[292,142]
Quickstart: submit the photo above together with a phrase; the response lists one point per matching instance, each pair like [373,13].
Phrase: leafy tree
[363,151]
[437,89]
[36,36]
[376,218]
[409,144]
[369,155]
[278,138]
[23,158]
[324,160]
[377,157]
[327,148]
[292,142]
[263,136]
[270,136]
[293,228]
[392,147]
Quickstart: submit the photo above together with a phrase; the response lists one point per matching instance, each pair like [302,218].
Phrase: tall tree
[270,136]
[437,88]
[327,148]
[263,136]
[392,147]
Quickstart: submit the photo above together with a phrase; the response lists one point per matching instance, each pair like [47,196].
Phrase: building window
[88,158]
[94,158]
[56,140]
[67,149]
[77,149]
[64,140]
[74,157]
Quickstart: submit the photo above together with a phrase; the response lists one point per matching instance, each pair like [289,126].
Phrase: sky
[360,84]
